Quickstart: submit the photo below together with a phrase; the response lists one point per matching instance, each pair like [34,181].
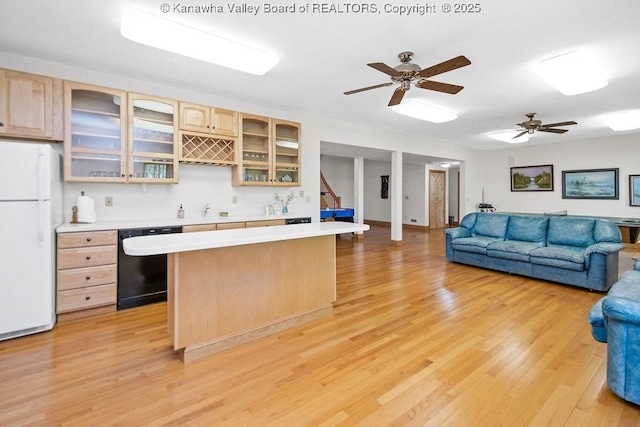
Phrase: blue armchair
[615,319]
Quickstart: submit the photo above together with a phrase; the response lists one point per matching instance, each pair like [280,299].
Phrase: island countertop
[174,243]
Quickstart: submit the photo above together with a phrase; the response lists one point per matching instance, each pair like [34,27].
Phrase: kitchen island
[229,287]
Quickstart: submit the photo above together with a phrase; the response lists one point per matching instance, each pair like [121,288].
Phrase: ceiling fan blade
[519,135]
[443,67]
[385,69]
[553,125]
[440,87]
[368,88]
[396,98]
[553,130]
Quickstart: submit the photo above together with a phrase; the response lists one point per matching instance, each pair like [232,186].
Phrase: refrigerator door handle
[41,215]
[40,190]
[41,172]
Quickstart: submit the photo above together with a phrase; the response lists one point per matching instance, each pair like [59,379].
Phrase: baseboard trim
[198,351]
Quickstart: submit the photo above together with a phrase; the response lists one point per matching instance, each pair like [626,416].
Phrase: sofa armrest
[636,265]
[604,248]
[457,233]
[621,309]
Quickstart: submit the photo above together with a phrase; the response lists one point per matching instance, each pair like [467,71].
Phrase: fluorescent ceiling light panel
[571,73]
[624,120]
[420,110]
[161,33]
[508,136]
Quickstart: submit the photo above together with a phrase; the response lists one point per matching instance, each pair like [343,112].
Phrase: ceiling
[323,55]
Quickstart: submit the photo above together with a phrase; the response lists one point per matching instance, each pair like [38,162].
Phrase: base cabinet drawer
[87,257]
[90,276]
[83,298]
[88,238]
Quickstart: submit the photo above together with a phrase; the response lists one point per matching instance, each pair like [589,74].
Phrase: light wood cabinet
[31,106]
[268,153]
[95,146]
[198,227]
[203,119]
[265,223]
[153,139]
[86,270]
[115,136]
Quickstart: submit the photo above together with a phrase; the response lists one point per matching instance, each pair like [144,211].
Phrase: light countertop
[167,222]
[172,243]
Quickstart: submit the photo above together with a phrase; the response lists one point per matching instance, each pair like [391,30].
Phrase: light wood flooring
[413,341]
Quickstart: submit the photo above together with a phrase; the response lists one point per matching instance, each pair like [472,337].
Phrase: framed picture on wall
[532,178]
[634,190]
[590,184]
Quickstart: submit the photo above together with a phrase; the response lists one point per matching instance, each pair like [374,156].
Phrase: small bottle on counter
[180,211]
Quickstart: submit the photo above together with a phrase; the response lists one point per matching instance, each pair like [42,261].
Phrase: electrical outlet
[301,193]
[308,199]
[108,201]
[234,199]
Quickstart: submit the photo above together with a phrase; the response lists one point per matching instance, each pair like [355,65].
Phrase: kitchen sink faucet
[205,209]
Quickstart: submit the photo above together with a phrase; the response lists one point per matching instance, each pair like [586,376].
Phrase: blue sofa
[615,320]
[579,251]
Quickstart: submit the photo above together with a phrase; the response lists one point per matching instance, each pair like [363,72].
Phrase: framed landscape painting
[634,190]
[532,178]
[590,184]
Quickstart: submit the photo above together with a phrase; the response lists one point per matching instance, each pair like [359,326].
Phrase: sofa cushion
[491,225]
[512,249]
[569,257]
[605,231]
[477,244]
[571,231]
[527,228]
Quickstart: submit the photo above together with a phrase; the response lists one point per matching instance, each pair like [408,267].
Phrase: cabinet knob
[88,278]
[123,175]
[1,124]
[130,175]
[88,239]
[87,298]
[88,257]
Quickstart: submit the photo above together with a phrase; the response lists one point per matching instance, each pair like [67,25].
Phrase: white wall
[201,184]
[375,207]
[621,152]
[415,195]
[338,171]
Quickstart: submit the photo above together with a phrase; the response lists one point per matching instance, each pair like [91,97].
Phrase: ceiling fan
[407,72]
[532,125]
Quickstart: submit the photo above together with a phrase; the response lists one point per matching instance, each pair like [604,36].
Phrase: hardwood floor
[413,341]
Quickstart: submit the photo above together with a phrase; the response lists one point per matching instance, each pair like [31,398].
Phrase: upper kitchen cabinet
[203,119]
[153,139]
[286,152]
[30,106]
[269,152]
[95,145]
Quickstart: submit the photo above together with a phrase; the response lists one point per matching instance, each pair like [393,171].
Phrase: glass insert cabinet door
[286,159]
[153,152]
[95,137]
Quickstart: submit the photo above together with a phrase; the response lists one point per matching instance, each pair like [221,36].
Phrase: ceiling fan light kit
[151,30]
[623,120]
[571,73]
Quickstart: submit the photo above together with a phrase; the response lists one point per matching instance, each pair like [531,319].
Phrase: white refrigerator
[31,208]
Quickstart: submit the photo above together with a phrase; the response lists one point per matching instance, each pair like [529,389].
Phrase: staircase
[328,198]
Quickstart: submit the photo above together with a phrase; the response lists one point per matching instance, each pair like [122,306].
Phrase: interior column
[395,191]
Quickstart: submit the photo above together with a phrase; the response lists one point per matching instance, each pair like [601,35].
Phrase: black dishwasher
[142,279]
